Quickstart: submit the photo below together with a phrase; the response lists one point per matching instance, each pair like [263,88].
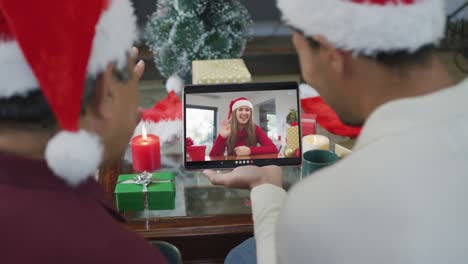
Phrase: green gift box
[160,194]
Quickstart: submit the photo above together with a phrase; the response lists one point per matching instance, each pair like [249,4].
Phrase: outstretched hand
[225,128]
[140,66]
[247,177]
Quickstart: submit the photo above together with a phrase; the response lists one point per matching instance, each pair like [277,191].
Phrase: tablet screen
[232,125]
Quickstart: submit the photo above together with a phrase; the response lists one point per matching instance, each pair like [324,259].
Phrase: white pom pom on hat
[74,156]
[83,41]
[369,26]
[174,83]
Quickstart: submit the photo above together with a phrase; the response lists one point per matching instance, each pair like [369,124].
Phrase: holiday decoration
[292,133]
[345,23]
[146,152]
[292,138]
[51,47]
[195,152]
[327,117]
[157,189]
[181,31]
[311,142]
[308,122]
[292,117]
[220,71]
[289,152]
[164,119]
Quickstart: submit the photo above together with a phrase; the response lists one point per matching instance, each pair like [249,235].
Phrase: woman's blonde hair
[249,127]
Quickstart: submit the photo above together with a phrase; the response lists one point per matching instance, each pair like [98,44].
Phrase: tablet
[231,125]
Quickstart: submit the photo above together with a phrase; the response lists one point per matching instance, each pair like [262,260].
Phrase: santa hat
[239,102]
[164,119]
[54,45]
[369,26]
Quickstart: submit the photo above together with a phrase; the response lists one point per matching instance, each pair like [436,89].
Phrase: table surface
[234,157]
[196,196]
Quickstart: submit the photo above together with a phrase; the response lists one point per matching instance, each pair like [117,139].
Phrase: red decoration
[169,108]
[327,118]
[189,142]
[298,153]
[308,124]
[197,153]
[71,42]
[146,153]
[294,123]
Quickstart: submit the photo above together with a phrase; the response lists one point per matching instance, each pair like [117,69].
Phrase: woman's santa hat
[55,45]
[369,26]
[239,102]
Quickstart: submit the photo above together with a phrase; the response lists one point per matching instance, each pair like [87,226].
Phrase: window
[201,124]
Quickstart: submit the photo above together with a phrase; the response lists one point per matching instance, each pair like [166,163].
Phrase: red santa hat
[164,119]
[369,26]
[54,45]
[239,102]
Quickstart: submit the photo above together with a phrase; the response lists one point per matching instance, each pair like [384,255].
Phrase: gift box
[292,138]
[220,71]
[159,193]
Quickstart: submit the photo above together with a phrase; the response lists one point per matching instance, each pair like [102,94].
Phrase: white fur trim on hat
[175,83]
[16,76]
[166,130]
[241,103]
[368,28]
[115,34]
[74,156]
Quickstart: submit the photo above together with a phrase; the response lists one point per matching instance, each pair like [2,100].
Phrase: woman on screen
[239,135]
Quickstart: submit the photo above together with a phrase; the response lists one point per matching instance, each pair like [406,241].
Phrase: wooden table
[208,228]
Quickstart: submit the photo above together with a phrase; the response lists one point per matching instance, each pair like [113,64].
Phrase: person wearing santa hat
[400,196]
[68,104]
[239,135]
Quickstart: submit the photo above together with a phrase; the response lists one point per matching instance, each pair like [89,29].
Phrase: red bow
[189,142]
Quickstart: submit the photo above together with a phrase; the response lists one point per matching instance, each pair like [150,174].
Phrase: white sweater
[400,197]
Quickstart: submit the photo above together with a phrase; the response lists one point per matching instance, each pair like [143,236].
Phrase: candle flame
[144,135]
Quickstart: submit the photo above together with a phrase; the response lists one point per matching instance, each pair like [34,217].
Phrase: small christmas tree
[292,117]
[181,31]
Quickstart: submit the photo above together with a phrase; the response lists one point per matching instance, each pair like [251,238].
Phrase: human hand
[225,128]
[247,177]
[242,151]
[139,68]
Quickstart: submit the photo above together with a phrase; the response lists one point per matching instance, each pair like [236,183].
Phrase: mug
[316,159]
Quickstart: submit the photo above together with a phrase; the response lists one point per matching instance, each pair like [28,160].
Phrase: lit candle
[146,153]
[311,142]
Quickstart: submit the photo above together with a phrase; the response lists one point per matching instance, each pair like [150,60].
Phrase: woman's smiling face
[243,114]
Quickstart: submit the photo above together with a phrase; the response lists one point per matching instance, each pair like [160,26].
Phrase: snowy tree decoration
[181,31]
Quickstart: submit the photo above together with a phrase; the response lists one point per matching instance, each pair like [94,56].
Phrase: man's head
[75,77]
[346,46]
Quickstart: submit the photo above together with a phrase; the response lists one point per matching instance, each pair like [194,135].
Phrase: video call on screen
[206,113]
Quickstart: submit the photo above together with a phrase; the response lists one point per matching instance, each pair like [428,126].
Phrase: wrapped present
[157,189]
[292,140]
[220,71]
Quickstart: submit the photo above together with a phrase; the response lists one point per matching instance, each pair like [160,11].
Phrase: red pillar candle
[146,152]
